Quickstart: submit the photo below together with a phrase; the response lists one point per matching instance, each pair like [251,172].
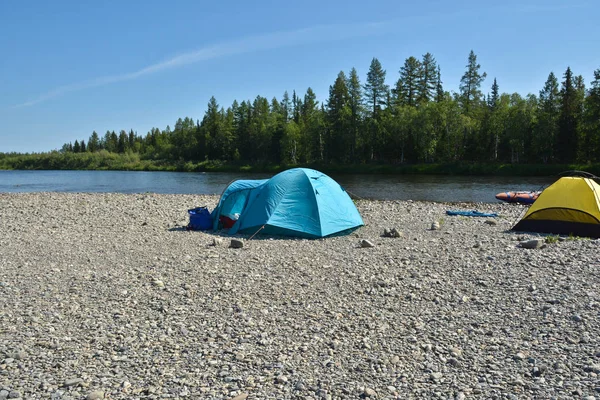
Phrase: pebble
[366,243]
[436,376]
[95,395]
[158,283]
[72,382]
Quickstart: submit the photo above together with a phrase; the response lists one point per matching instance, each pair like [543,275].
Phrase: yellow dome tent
[570,206]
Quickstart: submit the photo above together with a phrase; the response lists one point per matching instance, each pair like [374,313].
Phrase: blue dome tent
[298,202]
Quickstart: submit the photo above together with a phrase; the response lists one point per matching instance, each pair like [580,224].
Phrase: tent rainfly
[570,206]
[298,202]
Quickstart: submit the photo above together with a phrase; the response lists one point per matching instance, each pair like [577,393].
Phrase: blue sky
[71,67]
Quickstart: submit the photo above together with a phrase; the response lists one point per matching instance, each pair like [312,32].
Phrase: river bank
[108,295]
[104,160]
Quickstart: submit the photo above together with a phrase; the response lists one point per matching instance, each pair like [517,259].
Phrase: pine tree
[471,81]
[94,142]
[296,106]
[567,122]
[286,106]
[493,99]
[131,139]
[113,142]
[312,140]
[76,147]
[591,120]
[409,85]
[356,111]
[375,88]
[122,145]
[82,147]
[439,89]
[427,79]
[546,130]
[211,126]
[338,118]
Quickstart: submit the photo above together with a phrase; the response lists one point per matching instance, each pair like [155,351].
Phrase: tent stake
[254,234]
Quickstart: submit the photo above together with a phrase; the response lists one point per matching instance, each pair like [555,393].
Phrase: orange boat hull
[518,197]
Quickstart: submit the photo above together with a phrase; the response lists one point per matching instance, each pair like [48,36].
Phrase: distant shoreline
[132,162]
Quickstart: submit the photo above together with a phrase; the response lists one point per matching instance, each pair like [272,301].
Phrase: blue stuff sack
[200,219]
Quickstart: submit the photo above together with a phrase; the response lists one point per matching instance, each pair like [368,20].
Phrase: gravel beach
[108,296]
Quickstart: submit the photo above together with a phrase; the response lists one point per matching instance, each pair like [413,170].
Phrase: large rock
[236,244]
[532,244]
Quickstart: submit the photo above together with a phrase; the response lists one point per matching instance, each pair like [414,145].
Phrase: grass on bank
[104,160]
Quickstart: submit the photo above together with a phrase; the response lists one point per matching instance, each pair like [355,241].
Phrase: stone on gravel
[72,382]
[158,283]
[491,222]
[365,243]
[217,242]
[532,244]
[95,395]
[236,244]
[392,233]
[368,392]
[435,226]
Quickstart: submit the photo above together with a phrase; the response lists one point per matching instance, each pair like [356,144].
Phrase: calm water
[381,187]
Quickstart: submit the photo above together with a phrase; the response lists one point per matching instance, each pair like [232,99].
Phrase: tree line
[413,121]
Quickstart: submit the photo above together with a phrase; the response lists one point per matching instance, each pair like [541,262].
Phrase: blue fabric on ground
[471,213]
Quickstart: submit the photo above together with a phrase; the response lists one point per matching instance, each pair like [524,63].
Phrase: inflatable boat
[518,197]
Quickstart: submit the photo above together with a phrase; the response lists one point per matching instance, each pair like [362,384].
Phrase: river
[439,188]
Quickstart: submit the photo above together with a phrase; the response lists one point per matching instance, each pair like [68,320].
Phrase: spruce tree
[546,130]
[356,111]
[493,99]
[427,79]
[439,89]
[567,121]
[338,118]
[94,142]
[409,84]
[470,84]
[375,88]
[286,106]
[591,120]
[123,141]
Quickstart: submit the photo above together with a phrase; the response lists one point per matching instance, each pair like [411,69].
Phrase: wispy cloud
[270,41]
